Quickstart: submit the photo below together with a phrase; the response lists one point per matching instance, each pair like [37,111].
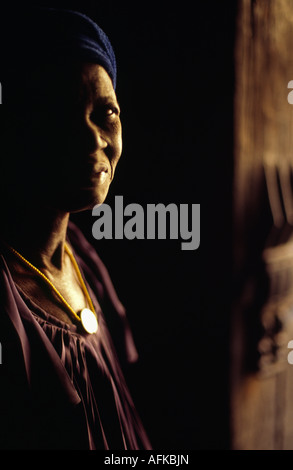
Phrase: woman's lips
[93,175]
[100,173]
[101,176]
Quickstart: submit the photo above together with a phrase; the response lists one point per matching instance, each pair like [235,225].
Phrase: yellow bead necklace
[87,316]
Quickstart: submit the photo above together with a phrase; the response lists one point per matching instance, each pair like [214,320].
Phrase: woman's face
[71,138]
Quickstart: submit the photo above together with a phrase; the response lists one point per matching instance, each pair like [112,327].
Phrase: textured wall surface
[262,377]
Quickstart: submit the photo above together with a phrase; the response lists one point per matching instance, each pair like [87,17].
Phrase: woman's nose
[98,138]
[93,137]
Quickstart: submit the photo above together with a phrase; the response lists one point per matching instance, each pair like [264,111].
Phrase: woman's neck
[37,234]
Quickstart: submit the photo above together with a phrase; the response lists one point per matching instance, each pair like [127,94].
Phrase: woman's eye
[108,113]
[112,111]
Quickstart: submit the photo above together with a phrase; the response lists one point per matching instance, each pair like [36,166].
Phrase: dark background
[175,88]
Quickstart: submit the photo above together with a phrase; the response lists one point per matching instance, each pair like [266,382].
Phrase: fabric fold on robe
[61,388]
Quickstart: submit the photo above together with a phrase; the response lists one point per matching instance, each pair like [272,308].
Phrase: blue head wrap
[57,35]
[73,34]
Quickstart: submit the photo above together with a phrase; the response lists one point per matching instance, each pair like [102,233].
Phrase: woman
[61,382]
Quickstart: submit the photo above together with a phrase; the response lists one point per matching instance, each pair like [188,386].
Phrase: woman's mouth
[101,176]
[99,173]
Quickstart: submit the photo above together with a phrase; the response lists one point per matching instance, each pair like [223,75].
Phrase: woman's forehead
[94,84]
[75,82]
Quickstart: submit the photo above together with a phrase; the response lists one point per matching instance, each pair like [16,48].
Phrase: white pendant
[89,320]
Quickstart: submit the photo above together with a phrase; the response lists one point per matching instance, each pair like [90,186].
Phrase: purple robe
[60,388]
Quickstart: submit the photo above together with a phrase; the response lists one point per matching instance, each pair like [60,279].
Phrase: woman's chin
[81,200]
